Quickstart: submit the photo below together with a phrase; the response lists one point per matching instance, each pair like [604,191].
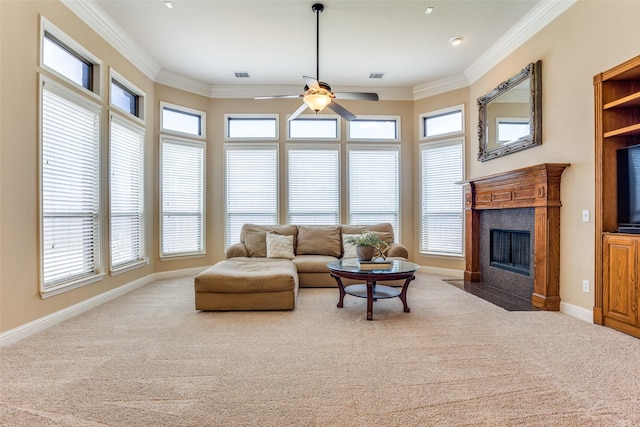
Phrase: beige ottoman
[247,284]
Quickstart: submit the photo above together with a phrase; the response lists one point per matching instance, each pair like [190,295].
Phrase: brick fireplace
[538,188]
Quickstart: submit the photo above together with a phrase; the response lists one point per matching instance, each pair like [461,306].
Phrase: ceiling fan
[318,95]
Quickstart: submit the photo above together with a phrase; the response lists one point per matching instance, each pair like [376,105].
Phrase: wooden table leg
[403,294]
[370,285]
[341,289]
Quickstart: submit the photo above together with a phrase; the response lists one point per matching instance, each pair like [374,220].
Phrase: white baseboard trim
[576,311]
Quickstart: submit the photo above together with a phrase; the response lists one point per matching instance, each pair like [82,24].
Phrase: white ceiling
[205,42]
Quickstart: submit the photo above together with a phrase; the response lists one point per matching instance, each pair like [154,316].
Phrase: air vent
[241,74]
[376,75]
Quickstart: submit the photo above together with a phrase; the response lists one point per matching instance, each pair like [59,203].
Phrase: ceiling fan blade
[360,96]
[311,83]
[297,112]
[343,112]
[278,97]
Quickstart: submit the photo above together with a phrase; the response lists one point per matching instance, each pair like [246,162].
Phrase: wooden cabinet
[620,274]
[617,263]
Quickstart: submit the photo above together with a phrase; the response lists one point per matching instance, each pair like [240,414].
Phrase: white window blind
[251,187]
[373,181]
[70,188]
[442,205]
[314,185]
[126,193]
[182,197]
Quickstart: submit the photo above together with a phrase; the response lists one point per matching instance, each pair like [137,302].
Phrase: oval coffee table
[349,268]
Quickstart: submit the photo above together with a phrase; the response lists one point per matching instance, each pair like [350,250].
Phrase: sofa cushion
[383,230]
[313,263]
[244,275]
[285,230]
[279,246]
[256,243]
[318,240]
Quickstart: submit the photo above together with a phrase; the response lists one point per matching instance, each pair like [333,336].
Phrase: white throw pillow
[279,246]
[349,249]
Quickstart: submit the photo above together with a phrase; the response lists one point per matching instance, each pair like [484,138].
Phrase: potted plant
[368,245]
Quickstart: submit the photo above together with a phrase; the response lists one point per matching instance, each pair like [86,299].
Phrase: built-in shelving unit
[617,263]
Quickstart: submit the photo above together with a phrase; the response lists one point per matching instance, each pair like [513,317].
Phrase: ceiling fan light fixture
[317,101]
[455,41]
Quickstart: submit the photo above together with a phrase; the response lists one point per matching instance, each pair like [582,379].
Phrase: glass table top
[353,265]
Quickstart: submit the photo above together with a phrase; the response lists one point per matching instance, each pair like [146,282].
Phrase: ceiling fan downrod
[317,8]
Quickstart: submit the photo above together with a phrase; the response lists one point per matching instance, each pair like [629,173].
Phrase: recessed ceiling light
[455,41]
[429,10]
[168,4]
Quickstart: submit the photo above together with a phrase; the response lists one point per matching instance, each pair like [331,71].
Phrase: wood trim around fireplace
[535,187]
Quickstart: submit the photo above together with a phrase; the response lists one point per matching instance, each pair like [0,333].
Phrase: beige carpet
[149,359]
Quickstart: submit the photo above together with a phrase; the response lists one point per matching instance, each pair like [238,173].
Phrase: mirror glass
[509,118]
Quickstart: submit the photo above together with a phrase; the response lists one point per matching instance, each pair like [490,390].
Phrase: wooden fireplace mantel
[535,187]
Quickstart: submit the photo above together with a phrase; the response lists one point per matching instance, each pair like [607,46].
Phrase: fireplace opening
[510,251]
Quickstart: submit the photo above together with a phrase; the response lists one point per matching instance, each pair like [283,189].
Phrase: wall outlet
[585,215]
[585,286]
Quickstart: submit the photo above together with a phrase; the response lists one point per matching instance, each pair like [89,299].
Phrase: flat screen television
[629,189]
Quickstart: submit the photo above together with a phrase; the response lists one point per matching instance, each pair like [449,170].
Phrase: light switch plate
[585,215]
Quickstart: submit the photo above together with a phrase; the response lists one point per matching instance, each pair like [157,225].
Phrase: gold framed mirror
[510,116]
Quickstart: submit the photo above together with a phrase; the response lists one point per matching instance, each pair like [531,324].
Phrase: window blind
[373,183]
[70,188]
[182,197]
[442,204]
[251,187]
[126,193]
[313,185]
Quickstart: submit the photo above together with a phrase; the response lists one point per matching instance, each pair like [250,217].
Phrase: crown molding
[181,82]
[440,86]
[534,21]
[92,15]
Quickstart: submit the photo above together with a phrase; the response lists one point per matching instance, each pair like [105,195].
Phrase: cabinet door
[620,272]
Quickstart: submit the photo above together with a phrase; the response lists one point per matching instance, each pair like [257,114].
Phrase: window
[512,129]
[126,193]
[312,127]
[442,209]
[182,197]
[70,192]
[441,123]
[251,187]
[249,126]
[182,120]
[374,185]
[373,129]
[313,184]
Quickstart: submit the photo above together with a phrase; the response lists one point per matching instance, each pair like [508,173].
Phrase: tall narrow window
[70,205]
[182,197]
[251,187]
[313,184]
[374,185]
[441,202]
[126,193]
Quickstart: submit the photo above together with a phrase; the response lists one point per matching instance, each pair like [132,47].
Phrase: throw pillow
[256,243]
[349,249]
[318,240]
[279,246]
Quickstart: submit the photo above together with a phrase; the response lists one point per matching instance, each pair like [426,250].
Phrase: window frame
[314,147]
[187,111]
[444,111]
[142,250]
[308,117]
[372,118]
[229,117]
[61,90]
[442,142]
[140,115]
[193,143]
[376,147]
[76,49]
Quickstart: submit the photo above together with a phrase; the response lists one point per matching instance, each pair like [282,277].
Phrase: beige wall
[588,38]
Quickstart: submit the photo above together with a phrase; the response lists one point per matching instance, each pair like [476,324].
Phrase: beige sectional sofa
[264,270]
